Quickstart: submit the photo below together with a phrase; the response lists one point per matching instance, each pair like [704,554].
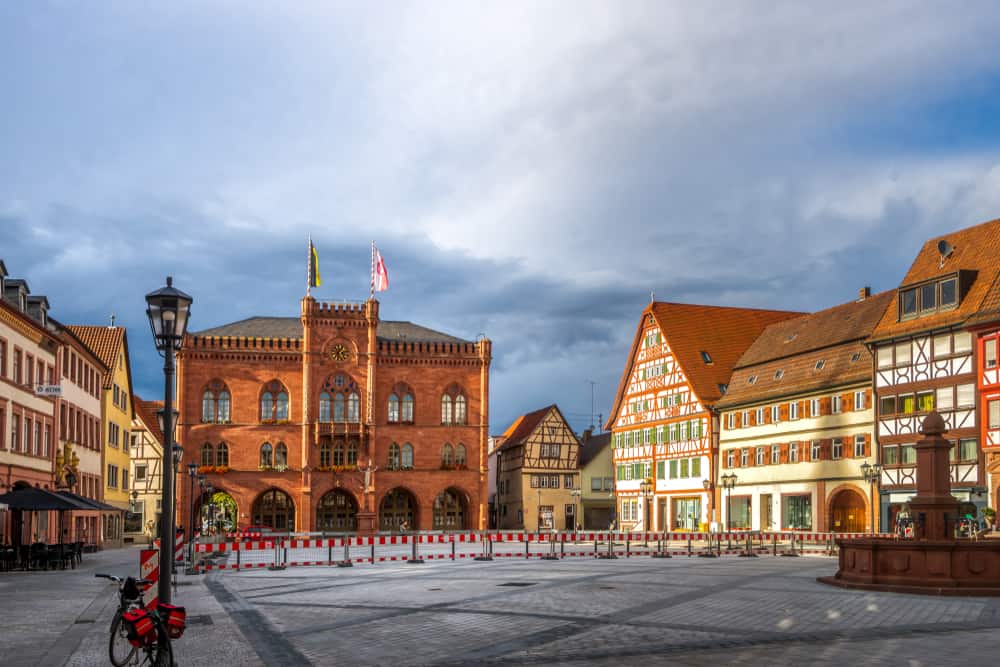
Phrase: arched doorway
[449,510]
[337,512]
[398,511]
[274,509]
[847,512]
[216,513]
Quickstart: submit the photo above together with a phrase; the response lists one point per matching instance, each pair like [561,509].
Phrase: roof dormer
[936,295]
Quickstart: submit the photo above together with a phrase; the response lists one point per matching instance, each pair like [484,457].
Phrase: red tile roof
[783,359]
[524,426]
[723,332]
[105,342]
[146,411]
[974,248]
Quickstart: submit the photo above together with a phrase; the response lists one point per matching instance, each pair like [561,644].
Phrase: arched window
[352,453]
[207,455]
[446,413]
[447,455]
[407,414]
[393,456]
[266,405]
[393,408]
[353,408]
[406,459]
[207,407]
[324,407]
[460,409]
[338,407]
[281,413]
[274,402]
[460,455]
[281,455]
[224,407]
[222,455]
[324,454]
[338,454]
[266,460]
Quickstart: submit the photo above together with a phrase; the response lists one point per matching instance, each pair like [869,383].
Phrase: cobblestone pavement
[679,611]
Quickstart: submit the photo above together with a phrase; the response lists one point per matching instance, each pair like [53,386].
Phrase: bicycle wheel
[163,652]
[120,650]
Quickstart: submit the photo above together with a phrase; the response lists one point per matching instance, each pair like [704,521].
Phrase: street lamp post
[728,482]
[872,472]
[167,309]
[646,489]
[576,507]
[192,474]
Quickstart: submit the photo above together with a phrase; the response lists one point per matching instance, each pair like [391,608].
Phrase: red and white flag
[380,277]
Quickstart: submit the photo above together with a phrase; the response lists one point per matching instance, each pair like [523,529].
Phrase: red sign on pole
[149,568]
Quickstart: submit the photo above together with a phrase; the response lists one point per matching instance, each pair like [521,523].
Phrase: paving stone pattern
[679,611]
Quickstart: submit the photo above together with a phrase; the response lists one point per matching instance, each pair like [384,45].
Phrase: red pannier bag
[174,619]
[140,628]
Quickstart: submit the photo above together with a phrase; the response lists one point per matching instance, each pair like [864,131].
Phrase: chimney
[864,293]
[587,432]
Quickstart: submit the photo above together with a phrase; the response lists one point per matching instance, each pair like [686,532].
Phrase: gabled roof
[724,333]
[974,249]
[989,309]
[592,446]
[833,326]
[524,426]
[291,327]
[146,411]
[106,342]
[784,358]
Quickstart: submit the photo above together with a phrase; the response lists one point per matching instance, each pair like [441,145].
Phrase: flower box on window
[344,468]
[282,468]
[268,421]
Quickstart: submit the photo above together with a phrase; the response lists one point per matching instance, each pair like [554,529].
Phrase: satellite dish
[944,248]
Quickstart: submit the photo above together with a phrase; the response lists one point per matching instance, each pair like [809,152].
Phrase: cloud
[530,171]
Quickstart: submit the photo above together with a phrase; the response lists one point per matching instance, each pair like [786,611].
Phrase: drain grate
[518,583]
[201,619]
[81,621]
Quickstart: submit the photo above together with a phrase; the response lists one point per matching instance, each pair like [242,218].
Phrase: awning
[34,499]
[89,503]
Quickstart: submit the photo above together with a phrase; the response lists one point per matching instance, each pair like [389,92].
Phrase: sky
[531,171]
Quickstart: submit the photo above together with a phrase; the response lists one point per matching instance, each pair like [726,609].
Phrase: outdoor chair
[37,556]
[8,558]
[78,552]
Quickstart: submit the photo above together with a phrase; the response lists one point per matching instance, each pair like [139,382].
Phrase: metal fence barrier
[310,549]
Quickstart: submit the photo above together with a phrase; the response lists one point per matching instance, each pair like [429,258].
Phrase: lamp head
[168,310]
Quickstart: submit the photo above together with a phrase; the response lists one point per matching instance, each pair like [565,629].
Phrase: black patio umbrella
[34,499]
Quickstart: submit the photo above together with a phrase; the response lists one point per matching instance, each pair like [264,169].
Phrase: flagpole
[309,269]
[372,293]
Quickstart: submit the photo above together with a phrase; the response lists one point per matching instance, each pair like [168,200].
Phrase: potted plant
[990,515]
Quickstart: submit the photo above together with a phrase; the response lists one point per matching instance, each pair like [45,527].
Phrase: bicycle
[124,643]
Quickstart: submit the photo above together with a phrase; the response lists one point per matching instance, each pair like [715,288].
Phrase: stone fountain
[933,562]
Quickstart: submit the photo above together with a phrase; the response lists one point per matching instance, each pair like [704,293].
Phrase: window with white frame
[761,456]
[731,421]
[815,448]
[775,454]
[838,448]
[944,398]
[814,407]
[859,445]
[744,457]
[836,405]
[965,395]
[793,452]
[775,414]
[793,410]
[859,400]
[731,455]
[759,416]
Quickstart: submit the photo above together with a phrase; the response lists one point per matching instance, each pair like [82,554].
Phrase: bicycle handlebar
[140,582]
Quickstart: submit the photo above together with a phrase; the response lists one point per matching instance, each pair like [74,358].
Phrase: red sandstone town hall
[334,421]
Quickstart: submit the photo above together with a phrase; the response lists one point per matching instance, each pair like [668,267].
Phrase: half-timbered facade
[537,466]
[986,327]
[798,422]
[146,460]
[663,420]
[337,421]
[925,359]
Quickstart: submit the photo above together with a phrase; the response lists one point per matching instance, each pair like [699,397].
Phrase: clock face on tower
[339,352]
